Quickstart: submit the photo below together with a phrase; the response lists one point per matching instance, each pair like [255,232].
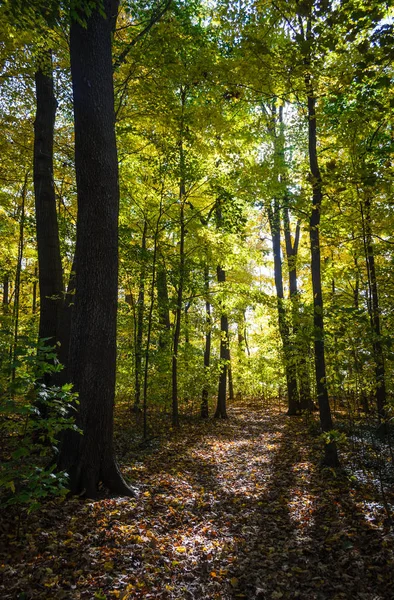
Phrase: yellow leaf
[213,574]
[181,549]
[234,582]
[108,566]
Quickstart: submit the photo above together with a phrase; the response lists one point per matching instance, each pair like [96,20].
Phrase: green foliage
[33,417]
[333,435]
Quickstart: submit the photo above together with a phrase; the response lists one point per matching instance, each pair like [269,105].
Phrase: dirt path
[234,509]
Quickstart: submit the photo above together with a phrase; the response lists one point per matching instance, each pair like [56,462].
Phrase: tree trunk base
[331,456]
[220,415]
[113,480]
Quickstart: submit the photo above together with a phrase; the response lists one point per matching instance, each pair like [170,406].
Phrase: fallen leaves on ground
[226,509]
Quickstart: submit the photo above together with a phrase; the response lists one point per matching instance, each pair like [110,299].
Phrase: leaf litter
[226,509]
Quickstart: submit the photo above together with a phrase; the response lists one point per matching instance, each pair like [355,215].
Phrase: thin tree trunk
[140,323]
[374,313]
[291,380]
[50,273]
[207,351]
[302,370]
[149,328]
[163,306]
[221,408]
[230,377]
[64,328]
[178,315]
[331,455]
[6,289]
[178,310]
[89,458]
[16,307]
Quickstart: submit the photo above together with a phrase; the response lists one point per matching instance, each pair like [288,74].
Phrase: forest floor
[226,509]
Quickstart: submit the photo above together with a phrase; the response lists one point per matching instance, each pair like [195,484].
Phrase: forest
[197,299]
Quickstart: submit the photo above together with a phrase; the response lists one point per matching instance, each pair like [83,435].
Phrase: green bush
[33,417]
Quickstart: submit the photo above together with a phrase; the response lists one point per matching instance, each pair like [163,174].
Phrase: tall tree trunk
[291,380]
[331,455]
[358,366]
[276,128]
[178,312]
[140,323]
[163,305]
[301,363]
[207,351]
[16,307]
[50,273]
[64,327]
[6,288]
[179,300]
[374,313]
[164,356]
[221,406]
[149,327]
[230,375]
[89,458]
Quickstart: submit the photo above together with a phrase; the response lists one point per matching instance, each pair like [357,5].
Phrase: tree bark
[301,363]
[178,312]
[89,458]
[163,306]
[149,326]
[207,351]
[140,323]
[230,374]
[179,300]
[6,287]
[331,455]
[50,272]
[374,313]
[221,408]
[16,307]
[291,380]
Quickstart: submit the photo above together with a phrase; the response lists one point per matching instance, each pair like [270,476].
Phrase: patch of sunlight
[300,509]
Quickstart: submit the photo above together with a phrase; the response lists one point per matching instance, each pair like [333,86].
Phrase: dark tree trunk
[178,313]
[6,288]
[140,323]
[17,291]
[149,325]
[243,345]
[163,306]
[221,409]
[374,313]
[89,458]
[50,273]
[241,333]
[207,351]
[302,370]
[230,376]
[64,330]
[331,455]
[291,379]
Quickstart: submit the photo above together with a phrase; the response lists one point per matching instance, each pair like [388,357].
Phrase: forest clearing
[228,509]
[197,299]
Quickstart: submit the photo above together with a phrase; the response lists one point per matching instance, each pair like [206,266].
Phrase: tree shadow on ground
[314,540]
[232,509]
